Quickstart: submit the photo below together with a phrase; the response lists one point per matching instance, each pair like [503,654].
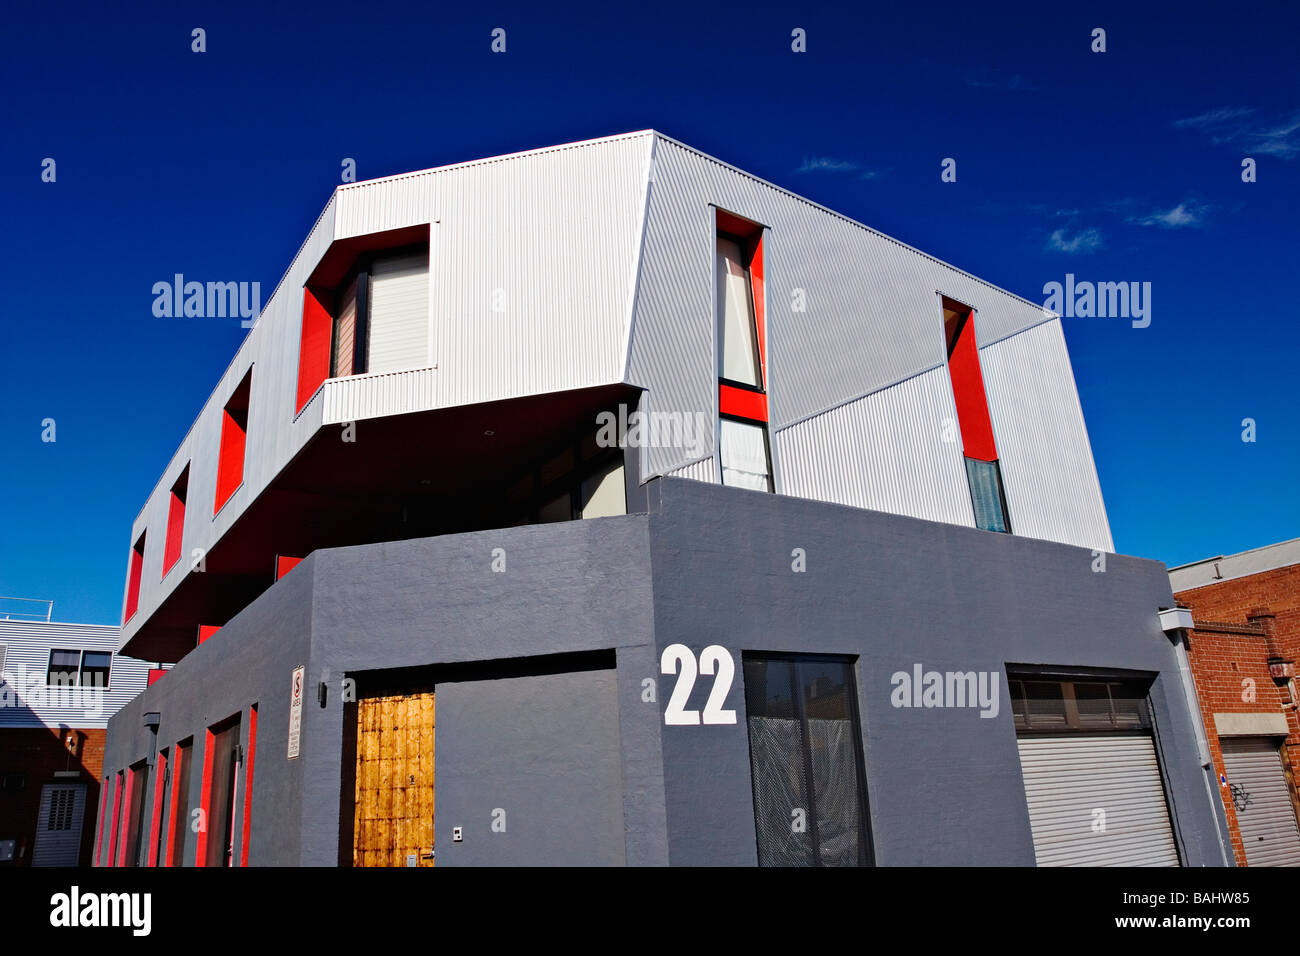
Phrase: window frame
[173,540]
[866,844]
[239,401]
[81,653]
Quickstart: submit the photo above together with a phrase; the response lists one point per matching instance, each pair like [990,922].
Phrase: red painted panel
[968,391]
[155,673]
[175,529]
[133,584]
[207,630]
[99,826]
[112,833]
[126,812]
[742,403]
[201,838]
[172,802]
[760,306]
[314,347]
[230,463]
[248,785]
[284,564]
[156,812]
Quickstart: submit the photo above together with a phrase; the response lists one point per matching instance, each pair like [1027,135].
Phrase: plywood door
[394,792]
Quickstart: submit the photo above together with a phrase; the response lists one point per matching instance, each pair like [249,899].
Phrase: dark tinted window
[805,760]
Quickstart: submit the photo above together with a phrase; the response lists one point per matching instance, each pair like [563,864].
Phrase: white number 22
[679,659]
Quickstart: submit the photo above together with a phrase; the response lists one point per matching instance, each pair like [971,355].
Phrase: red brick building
[1242,651]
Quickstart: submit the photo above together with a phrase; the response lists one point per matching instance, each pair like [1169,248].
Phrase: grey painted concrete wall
[530,769]
[249,661]
[708,565]
[945,786]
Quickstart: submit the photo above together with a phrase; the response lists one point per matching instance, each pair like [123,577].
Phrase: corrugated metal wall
[562,268]
[27,652]
[885,452]
[1047,467]
[849,310]
[533,260]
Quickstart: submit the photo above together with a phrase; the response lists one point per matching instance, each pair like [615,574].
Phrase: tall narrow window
[745,454]
[344,338]
[220,785]
[133,580]
[138,789]
[983,473]
[178,808]
[162,791]
[248,786]
[176,521]
[234,432]
[805,752]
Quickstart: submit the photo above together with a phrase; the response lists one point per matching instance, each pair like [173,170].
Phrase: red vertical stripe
[99,827]
[156,812]
[230,463]
[201,840]
[112,832]
[313,347]
[760,306]
[172,803]
[133,583]
[248,785]
[175,529]
[125,838]
[968,391]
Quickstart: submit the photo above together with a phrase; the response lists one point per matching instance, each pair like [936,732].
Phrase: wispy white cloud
[1238,126]
[826,164]
[1085,240]
[1215,117]
[1187,214]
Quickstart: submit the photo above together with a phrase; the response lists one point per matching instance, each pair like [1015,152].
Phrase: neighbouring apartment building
[59,684]
[1243,650]
[703,524]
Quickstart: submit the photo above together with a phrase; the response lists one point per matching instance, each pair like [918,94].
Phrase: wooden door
[393,816]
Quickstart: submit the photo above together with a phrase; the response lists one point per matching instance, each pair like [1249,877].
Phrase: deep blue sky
[1116,166]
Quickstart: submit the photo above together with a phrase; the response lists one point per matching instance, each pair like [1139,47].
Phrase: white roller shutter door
[58,825]
[1069,778]
[1265,814]
[399,313]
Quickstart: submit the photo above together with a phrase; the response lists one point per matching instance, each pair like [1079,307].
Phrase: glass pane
[1093,703]
[1046,704]
[826,688]
[781,808]
[63,667]
[737,339]
[986,494]
[744,456]
[345,328]
[94,668]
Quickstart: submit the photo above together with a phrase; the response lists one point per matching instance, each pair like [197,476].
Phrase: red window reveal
[133,581]
[176,521]
[314,346]
[234,431]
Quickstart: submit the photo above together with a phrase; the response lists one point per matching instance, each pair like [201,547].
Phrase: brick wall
[1241,623]
[37,754]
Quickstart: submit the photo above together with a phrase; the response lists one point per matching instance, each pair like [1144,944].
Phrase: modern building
[705,525]
[1243,651]
[59,684]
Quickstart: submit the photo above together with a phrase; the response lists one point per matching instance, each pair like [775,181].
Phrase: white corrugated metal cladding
[593,263]
[857,382]
[29,702]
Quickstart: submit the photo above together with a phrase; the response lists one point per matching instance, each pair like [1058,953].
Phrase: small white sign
[295,709]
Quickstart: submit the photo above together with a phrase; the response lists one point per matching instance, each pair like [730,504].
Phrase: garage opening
[1261,796]
[1091,772]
